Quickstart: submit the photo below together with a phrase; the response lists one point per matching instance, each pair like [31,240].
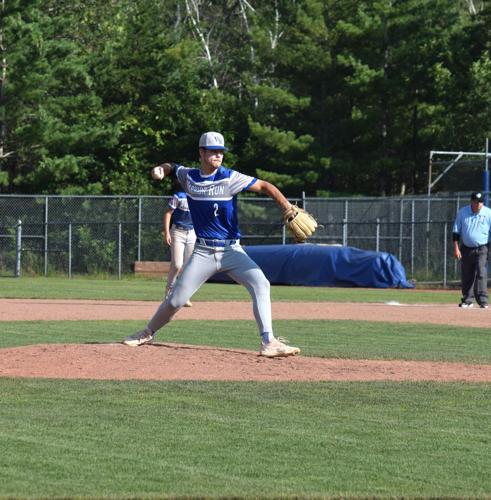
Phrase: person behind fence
[212,191]
[471,234]
[178,233]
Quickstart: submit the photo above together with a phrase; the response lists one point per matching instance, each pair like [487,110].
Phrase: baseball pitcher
[212,199]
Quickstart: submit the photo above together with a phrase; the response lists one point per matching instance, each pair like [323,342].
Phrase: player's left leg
[240,267]
[481,283]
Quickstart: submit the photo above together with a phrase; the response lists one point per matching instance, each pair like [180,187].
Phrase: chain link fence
[105,235]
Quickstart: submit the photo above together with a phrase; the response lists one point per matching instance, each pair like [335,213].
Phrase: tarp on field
[324,265]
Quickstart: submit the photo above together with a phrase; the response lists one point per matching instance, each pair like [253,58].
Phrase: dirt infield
[165,361]
[46,309]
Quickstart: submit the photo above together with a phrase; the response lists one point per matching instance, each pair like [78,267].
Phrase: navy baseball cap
[212,140]
[477,196]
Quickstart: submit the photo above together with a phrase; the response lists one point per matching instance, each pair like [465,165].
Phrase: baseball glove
[299,222]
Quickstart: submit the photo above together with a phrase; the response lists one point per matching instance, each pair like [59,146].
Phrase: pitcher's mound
[166,361]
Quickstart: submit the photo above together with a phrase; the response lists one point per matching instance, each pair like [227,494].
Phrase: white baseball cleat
[277,349]
[139,338]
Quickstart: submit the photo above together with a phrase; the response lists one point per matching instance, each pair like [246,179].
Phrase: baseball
[158,173]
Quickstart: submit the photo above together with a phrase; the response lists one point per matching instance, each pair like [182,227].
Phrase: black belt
[475,248]
[183,228]
[216,243]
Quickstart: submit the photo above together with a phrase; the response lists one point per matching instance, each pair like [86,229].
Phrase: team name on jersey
[223,185]
[208,191]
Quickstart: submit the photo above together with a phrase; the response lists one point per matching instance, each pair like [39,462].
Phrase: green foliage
[315,95]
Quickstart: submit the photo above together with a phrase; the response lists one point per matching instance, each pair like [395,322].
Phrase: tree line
[322,96]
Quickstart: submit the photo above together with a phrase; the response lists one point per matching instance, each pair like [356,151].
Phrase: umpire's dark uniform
[472,228]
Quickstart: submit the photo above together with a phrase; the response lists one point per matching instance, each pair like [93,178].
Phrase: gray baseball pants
[202,265]
[474,266]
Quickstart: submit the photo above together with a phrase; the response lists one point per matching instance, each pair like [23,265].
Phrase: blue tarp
[323,265]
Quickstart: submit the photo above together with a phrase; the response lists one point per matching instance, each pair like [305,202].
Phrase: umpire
[472,228]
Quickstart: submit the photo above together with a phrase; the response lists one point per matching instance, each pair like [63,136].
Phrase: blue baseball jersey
[473,228]
[181,215]
[212,200]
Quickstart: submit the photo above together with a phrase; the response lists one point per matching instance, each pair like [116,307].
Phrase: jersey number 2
[215,211]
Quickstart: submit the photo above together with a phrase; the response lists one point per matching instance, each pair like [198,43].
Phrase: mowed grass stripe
[145,289]
[338,339]
[132,439]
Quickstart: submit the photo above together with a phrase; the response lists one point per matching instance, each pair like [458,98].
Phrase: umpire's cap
[212,140]
[477,196]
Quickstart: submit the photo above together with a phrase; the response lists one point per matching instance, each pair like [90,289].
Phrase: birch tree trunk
[275,34]
[473,9]
[192,10]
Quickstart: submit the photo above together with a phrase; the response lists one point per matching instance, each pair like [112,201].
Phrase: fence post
[70,250]
[139,228]
[401,218]
[377,236]
[345,223]
[46,236]
[18,249]
[428,239]
[445,255]
[119,251]
[412,238]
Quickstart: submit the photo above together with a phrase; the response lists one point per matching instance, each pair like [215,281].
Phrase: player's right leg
[198,269]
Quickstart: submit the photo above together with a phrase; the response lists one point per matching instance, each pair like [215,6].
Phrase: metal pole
[18,249]
[445,255]
[139,229]
[401,217]
[119,250]
[430,164]
[427,249]
[412,238]
[428,210]
[377,236]
[345,223]
[70,250]
[46,236]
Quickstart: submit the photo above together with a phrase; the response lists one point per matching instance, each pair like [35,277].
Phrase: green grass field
[134,440]
[148,289]
[192,439]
